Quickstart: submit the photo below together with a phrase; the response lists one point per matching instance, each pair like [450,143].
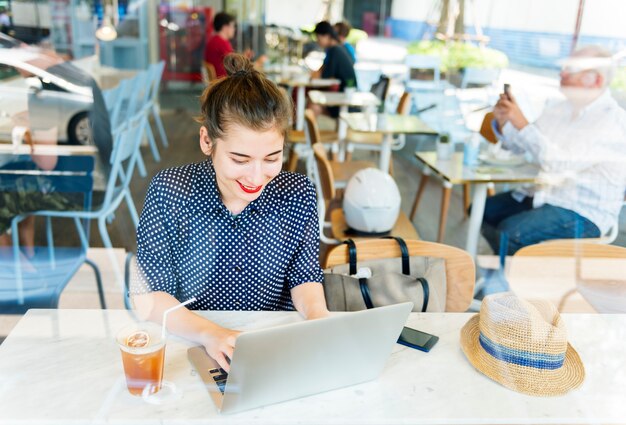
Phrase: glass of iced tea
[143,355]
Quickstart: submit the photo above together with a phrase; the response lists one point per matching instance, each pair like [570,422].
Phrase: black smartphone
[417,339]
[507,91]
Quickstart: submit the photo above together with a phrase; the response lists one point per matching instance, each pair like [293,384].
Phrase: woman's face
[245,161]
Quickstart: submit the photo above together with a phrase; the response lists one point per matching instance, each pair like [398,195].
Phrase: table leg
[420,191]
[385,153]
[476,218]
[342,131]
[467,191]
[445,203]
[300,105]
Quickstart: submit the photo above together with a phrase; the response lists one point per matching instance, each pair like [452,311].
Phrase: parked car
[35,92]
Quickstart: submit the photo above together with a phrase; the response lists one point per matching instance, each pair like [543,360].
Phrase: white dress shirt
[582,157]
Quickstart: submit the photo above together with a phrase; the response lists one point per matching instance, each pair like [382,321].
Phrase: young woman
[233,231]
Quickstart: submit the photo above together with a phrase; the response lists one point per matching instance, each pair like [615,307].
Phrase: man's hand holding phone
[507,109]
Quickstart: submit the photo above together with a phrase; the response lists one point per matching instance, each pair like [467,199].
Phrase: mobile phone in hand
[417,339]
[507,91]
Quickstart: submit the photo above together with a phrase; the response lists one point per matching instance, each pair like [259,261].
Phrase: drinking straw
[166,312]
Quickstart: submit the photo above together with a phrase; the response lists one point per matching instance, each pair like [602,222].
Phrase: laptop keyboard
[219,376]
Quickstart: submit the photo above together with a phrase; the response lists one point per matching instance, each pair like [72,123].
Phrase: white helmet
[371,202]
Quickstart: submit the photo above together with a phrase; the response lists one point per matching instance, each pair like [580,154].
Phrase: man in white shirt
[580,146]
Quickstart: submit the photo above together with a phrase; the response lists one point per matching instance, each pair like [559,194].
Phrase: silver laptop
[304,358]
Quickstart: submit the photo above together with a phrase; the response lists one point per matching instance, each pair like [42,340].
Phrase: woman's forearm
[181,322]
[308,299]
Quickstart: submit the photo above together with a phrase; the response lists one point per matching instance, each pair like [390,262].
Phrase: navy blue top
[189,244]
[338,64]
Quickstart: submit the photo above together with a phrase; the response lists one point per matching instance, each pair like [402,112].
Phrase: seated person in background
[22,194]
[343,29]
[337,63]
[218,45]
[233,231]
[580,146]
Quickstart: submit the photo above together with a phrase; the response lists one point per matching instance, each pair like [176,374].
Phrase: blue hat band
[521,358]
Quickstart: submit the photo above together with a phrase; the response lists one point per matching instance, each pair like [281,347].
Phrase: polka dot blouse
[189,244]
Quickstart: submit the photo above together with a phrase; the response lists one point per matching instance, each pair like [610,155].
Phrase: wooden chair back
[460,269]
[209,69]
[404,105]
[572,248]
[325,171]
[485,128]
[312,130]
[604,292]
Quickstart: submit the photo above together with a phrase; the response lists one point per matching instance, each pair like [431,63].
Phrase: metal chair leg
[153,147]
[98,282]
[159,123]
[131,208]
[127,302]
[141,166]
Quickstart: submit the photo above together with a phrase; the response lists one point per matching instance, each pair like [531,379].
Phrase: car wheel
[79,130]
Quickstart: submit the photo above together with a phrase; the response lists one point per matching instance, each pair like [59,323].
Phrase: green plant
[458,55]
[355,35]
[619,82]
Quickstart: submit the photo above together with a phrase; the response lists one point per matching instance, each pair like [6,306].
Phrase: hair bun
[237,64]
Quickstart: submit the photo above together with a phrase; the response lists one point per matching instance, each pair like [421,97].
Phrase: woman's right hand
[220,344]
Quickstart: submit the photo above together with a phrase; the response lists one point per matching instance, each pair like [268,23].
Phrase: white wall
[606,18]
[411,10]
[527,15]
[292,13]
[31,14]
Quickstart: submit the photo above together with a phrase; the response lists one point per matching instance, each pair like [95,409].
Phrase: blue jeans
[509,225]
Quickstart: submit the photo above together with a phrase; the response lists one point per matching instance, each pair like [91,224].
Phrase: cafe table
[344,100]
[388,125]
[452,171]
[64,367]
[301,83]
[52,150]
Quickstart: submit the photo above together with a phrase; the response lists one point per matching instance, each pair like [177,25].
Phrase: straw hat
[522,345]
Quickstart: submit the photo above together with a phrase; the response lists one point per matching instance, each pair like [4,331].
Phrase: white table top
[386,123]
[343,99]
[55,150]
[62,366]
[454,171]
[309,82]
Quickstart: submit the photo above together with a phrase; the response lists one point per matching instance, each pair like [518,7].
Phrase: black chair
[381,88]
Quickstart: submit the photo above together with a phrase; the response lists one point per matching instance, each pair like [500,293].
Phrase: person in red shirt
[219,45]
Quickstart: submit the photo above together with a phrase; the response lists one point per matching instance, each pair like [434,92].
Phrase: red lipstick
[248,189]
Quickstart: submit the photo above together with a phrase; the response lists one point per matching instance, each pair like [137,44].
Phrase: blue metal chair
[37,281]
[121,103]
[123,160]
[156,72]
